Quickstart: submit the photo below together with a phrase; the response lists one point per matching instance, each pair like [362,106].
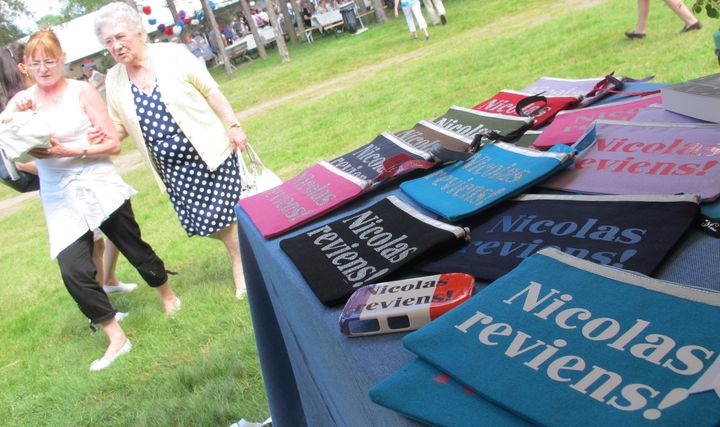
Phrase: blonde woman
[81,190]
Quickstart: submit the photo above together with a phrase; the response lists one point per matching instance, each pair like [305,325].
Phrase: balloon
[182,14]
[187,21]
[147,10]
[176,30]
[200,16]
[212,5]
[161,27]
[169,31]
[152,21]
[195,22]
[86,61]
[180,24]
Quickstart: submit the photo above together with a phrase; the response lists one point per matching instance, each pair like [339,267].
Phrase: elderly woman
[81,190]
[181,123]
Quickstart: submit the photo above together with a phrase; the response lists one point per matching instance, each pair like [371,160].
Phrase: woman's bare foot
[171,303]
[171,306]
[119,345]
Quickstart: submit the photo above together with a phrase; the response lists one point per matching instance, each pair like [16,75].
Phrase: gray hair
[118,12]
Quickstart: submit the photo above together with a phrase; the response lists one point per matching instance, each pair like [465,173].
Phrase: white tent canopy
[78,36]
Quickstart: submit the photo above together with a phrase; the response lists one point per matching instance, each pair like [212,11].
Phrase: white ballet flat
[174,311]
[120,288]
[100,364]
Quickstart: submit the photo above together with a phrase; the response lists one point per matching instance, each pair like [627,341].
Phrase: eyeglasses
[48,63]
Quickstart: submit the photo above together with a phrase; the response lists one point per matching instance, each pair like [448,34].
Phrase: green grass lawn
[201,367]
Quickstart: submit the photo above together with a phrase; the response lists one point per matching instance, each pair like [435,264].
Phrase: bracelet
[84,153]
[235,125]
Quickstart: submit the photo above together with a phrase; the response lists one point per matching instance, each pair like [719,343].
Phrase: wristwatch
[84,145]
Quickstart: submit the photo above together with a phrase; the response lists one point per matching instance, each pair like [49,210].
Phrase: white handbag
[255,177]
[24,132]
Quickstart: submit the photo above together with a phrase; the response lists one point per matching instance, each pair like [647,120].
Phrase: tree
[711,7]
[9,11]
[379,11]
[279,39]
[210,16]
[288,23]
[253,28]
[173,10]
[75,8]
[298,16]
[51,21]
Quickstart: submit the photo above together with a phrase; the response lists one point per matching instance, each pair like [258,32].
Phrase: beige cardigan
[184,84]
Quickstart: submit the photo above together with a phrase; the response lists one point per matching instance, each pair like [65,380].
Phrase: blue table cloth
[316,376]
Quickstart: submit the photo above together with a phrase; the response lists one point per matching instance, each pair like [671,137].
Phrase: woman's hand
[95,135]
[20,102]
[56,150]
[396,12]
[23,101]
[238,139]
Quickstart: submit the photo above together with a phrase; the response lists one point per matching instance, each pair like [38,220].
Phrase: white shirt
[77,194]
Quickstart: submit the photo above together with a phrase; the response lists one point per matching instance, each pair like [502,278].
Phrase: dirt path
[131,161]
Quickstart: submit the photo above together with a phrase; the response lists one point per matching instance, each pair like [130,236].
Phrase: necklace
[143,78]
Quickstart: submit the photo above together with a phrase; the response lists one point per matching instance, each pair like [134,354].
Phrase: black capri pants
[78,270]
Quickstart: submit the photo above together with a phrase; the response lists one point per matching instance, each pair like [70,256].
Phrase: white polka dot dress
[204,200]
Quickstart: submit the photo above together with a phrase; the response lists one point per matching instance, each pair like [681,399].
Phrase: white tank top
[77,194]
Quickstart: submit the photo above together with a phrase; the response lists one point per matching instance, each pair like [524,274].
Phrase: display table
[327,20]
[316,376]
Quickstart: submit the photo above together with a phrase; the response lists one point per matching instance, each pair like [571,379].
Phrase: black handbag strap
[481,139]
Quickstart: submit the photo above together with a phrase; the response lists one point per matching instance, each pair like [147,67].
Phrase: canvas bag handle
[479,141]
[249,166]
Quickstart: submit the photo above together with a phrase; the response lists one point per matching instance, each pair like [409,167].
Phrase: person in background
[264,16]
[236,25]
[208,54]
[11,79]
[227,33]
[439,8]
[677,6]
[258,19]
[410,8]
[94,77]
[180,122]
[192,45]
[213,42]
[291,13]
[82,190]
[306,16]
[105,256]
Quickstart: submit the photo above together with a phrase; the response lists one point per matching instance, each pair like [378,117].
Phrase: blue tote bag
[496,172]
[564,341]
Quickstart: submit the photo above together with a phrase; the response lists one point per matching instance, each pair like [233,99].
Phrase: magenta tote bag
[570,125]
[315,191]
[645,158]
